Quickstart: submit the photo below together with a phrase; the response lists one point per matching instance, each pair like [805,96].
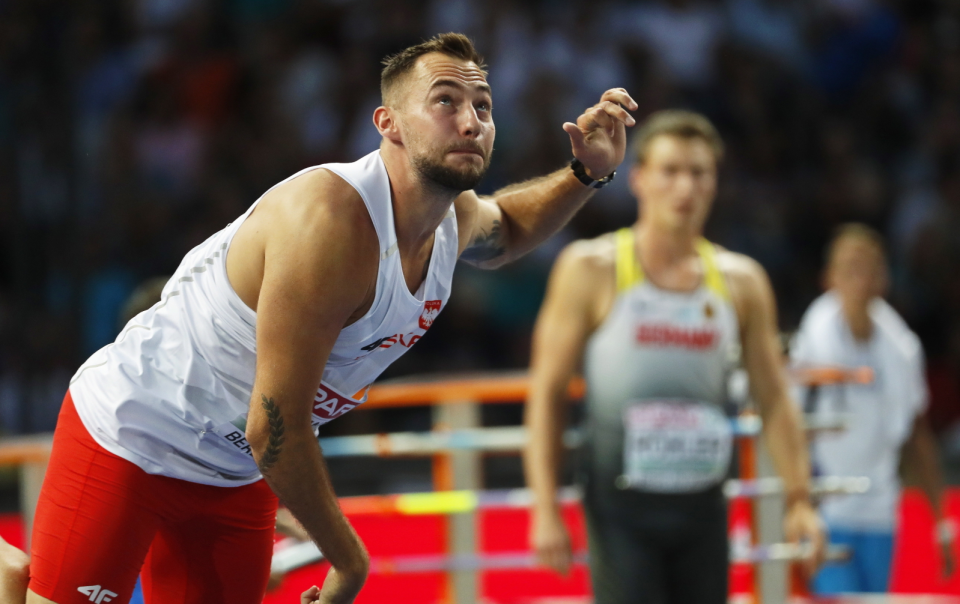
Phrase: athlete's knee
[15,572]
[14,566]
[33,598]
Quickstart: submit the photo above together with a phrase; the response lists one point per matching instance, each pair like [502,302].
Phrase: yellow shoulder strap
[629,272]
[712,276]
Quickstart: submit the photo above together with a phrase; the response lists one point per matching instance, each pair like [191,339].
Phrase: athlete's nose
[469,121]
[685,182]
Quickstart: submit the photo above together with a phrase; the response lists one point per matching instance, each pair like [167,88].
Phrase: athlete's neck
[664,247]
[418,209]
[857,315]
[668,257]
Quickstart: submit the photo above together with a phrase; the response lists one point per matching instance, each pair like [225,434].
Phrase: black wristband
[581,173]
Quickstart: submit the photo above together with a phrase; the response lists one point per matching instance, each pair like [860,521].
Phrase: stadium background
[130,130]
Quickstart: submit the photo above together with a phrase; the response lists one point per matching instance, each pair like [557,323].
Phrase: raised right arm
[320,257]
[566,320]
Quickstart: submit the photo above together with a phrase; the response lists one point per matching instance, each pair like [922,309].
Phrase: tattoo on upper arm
[275,441]
[486,246]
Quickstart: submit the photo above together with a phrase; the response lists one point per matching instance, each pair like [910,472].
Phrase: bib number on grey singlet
[675,446]
[328,405]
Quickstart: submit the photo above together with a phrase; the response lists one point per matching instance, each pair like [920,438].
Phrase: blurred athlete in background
[657,315]
[275,326]
[852,326]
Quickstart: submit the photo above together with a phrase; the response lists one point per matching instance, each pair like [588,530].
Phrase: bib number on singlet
[675,446]
[328,404]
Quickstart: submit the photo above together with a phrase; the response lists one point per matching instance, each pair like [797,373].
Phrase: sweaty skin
[677,185]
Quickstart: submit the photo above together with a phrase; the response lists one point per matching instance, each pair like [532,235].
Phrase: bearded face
[444,110]
[452,168]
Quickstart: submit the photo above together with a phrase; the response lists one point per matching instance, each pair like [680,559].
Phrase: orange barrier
[513,387]
[19,450]
[827,376]
[483,388]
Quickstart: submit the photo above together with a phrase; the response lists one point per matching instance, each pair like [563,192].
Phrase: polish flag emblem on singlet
[431,309]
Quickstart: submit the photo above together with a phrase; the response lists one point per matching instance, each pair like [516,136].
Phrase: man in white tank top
[851,325]
[276,325]
[652,313]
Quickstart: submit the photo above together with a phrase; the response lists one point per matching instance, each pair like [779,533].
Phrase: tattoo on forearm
[275,441]
[486,246]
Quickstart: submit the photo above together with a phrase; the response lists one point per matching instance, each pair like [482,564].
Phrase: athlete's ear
[633,180]
[385,119]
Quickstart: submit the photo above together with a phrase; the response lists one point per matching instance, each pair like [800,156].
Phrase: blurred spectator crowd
[130,130]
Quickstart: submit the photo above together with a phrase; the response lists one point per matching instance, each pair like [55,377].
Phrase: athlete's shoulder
[590,254]
[583,280]
[309,219]
[895,327]
[320,188]
[318,201]
[747,281]
[739,267]
[584,269]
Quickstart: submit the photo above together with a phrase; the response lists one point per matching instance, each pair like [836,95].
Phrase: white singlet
[881,413]
[171,394]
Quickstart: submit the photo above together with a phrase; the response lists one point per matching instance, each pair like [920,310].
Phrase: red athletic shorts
[101,518]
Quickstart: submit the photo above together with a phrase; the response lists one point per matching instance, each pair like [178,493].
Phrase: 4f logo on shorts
[431,308]
[97,595]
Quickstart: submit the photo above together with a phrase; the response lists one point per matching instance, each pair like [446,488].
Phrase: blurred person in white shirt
[852,326]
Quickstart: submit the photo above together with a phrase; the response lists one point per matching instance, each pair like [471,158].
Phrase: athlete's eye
[483,106]
[445,100]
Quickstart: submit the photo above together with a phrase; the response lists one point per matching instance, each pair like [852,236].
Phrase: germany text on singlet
[172,392]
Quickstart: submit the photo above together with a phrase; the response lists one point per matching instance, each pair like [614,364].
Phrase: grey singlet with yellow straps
[656,372]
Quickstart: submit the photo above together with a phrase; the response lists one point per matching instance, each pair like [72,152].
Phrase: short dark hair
[451,44]
[679,123]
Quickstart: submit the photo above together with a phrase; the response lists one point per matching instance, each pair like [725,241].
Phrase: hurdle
[456,402]
[298,555]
